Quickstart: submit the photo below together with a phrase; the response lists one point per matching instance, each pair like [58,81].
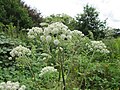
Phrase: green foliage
[114,47]
[6,45]
[13,31]
[93,75]
[110,33]
[12,11]
[65,19]
[89,21]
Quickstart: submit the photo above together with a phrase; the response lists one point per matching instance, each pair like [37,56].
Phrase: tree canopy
[18,13]
[89,21]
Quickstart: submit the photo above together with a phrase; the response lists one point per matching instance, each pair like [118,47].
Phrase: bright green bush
[88,22]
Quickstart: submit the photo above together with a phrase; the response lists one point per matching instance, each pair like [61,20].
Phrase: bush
[13,12]
[6,45]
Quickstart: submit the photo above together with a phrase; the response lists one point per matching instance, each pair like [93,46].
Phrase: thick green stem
[62,70]
[63,76]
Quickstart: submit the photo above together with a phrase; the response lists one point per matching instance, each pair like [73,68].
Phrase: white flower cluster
[47,69]
[98,46]
[55,33]
[35,31]
[55,28]
[77,33]
[19,51]
[11,86]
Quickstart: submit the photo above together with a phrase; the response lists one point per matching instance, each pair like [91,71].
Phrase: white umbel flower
[78,33]
[23,87]
[98,46]
[48,38]
[35,31]
[19,51]
[42,38]
[11,86]
[10,58]
[47,69]
[63,36]
[69,37]
[56,41]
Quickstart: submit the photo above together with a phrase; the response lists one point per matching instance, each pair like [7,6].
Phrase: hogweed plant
[58,43]
[55,40]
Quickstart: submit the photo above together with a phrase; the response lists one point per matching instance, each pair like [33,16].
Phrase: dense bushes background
[18,13]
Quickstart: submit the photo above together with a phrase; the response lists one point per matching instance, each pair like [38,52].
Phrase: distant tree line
[22,16]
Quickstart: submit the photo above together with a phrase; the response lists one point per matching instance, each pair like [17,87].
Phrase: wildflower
[11,86]
[47,31]
[34,32]
[56,28]
[56,41]
[47,69]
[23,87]
[78,33]
[19,51]
[42,38]
[48,38]
[10,58]
[98,46]
[55,31]
[69,37]
[63,36]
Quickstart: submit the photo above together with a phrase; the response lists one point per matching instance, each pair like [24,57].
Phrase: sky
[108,9]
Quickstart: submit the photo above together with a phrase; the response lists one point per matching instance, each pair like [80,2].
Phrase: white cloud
[48,7]
[107,8]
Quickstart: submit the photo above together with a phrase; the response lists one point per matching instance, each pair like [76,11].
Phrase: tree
[34,14]
[16,12]
[89,21]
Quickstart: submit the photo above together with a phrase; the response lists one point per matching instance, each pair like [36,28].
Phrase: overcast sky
[109,9]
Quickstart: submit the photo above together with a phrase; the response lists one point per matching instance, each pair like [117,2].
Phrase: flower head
[48,69]
[98,46]
[19,51]
[35,31]
[56,41]
[48,38]
[11,86]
